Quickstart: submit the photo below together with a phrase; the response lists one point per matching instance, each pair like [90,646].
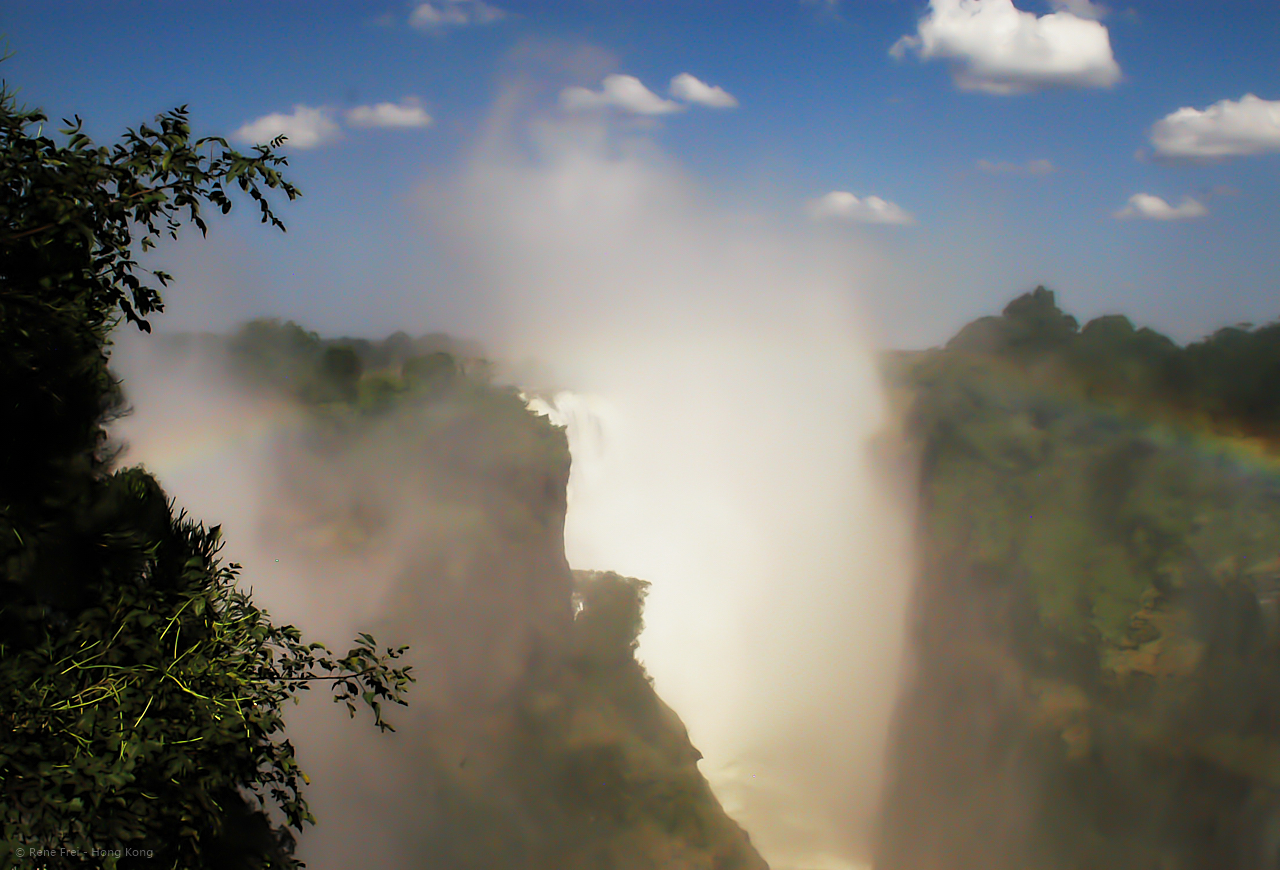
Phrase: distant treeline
[1228,381]
[366,374]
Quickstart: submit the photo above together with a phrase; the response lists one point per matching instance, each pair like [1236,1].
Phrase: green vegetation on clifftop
[1096,651]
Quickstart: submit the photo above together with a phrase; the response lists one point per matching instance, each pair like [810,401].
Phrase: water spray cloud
[719,398]
[719,395]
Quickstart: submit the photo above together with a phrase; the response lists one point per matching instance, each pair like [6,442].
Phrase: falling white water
[721,399]
[772,620]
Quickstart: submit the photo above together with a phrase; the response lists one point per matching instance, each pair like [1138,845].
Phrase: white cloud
[305,127]
[1145,205]
[405,114]
[842,205]
[1005,167]
[453,13]
[1081,8]
[690,89]
[1228,128]
[624,92]
[997,48]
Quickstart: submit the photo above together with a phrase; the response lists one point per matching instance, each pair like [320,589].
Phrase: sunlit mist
[721,403]
[719,400]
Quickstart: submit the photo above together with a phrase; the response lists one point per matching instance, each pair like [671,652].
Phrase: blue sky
[974,164]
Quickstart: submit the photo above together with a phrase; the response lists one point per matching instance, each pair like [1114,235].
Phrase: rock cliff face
[1095,655]
[533,738]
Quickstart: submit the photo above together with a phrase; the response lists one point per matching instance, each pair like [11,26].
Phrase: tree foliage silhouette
[141,692]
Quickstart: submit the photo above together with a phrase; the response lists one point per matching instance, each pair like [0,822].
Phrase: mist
[727,425]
